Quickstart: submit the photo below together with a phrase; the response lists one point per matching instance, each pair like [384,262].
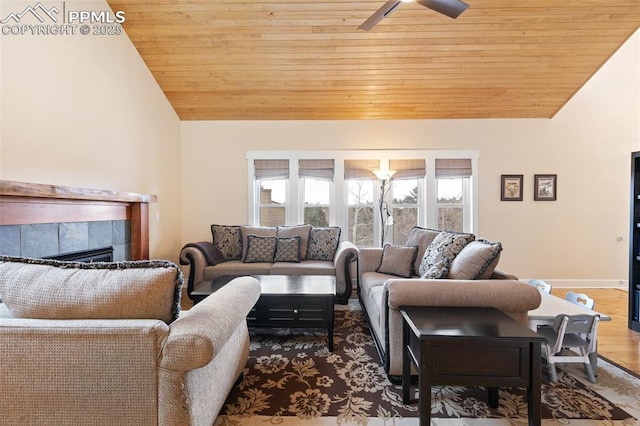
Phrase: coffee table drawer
[295,312]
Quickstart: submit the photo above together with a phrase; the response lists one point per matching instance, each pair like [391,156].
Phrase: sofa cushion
[260,231]
[398,260]
[477,260]
[260,249]
[287,250]
[420,237]
[371,280]
[50,289]
[323,243]
[238,267]
[301,231]
[441,252]
[306,267]
[228,240]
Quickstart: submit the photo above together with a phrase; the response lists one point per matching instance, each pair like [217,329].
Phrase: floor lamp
[385,176]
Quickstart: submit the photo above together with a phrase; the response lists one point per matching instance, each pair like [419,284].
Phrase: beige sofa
[472,281]
[283,250]
[107,345]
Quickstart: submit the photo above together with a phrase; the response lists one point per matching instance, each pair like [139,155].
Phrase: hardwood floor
[615,341]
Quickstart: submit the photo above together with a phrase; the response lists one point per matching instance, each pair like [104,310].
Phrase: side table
[469,347]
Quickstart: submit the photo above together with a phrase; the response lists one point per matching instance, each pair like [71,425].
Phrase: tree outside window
[450,204]
[317,195]
[404,208]
[360,212]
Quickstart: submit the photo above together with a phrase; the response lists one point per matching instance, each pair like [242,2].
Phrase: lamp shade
[384,174]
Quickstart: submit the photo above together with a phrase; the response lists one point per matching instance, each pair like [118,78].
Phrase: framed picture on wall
[511,188]
[545,187]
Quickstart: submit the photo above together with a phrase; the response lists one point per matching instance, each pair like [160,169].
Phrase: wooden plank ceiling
[305,59]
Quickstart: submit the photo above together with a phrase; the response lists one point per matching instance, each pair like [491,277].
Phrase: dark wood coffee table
[469,347]
[286,301]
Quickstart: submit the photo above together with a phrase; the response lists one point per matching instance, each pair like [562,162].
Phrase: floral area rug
[292,378]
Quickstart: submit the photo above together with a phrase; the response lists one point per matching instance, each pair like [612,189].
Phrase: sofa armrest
[198,335]
[369,259]
[193,254]
[506,295]
[346,253]
[514,298]
[501,275]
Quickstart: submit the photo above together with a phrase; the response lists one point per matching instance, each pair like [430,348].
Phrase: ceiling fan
[450,8]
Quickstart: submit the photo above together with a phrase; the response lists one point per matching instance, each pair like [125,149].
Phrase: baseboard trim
[585,283]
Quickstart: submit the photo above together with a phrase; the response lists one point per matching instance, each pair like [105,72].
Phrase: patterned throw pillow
[398,260]
[441,252]
[228,240]
[288,250]
[260,231]
[476,261]
[260,249]
[323,243]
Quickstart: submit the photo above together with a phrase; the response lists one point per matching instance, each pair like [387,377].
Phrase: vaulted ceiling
[306,59]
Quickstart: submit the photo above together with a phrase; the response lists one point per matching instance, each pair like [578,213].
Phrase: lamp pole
[385,176]
[382,207]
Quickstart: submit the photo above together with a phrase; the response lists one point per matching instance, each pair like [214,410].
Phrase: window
[316,177]
[404,208]
[452,179]
[361,220]
[433,189]
[406,196]
[271,179]
[450,206]
[360,212]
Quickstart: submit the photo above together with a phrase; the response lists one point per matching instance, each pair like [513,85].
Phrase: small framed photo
[511,188]
[545,187]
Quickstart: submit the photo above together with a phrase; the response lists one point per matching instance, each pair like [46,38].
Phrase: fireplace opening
[104,254]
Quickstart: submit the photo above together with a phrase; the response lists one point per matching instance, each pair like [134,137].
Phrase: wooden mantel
[24,203]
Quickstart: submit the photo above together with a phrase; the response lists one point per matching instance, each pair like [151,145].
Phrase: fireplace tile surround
[48,239]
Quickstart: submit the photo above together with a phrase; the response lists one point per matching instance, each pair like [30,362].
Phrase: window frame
[428,203]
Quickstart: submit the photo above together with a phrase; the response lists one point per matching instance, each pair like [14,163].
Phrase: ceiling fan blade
[450,8]
[379,14]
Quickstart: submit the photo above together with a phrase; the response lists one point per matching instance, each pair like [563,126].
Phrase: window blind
[265,169]
[360,169]
[320,169]
[408,169]
[453,167]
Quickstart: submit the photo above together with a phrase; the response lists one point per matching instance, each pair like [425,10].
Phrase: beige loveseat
[390,278]
[261,250]
[105,344]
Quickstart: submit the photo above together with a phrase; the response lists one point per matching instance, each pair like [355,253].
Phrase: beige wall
[85,111]
[573,240]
